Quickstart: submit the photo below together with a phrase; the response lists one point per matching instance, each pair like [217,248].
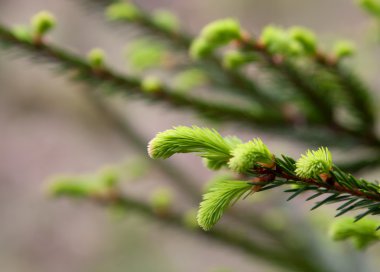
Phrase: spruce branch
[180,180]
[362,234]
[147,21]
[71,62]
[237,81]
[275,46]
[175,176]
[301,42]
[358,95]
[300,80]
[123,126]
[86,73]
[313,172]
[112,197]
[275,49]
[185,185]
[108,78]
[252,161]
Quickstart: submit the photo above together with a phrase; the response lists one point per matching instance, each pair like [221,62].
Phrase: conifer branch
[313,172]
[123,126]
[133,86]
[180,180]
[236,80]
[186,186]
[357,92]
[205,44]
[296,77]
[232,239]
[180,39]
[274,49]
[108,78]
[255,167]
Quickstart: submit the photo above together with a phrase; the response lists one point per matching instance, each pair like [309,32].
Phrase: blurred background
[48,126]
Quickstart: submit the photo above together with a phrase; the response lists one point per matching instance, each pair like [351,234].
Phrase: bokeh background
[48,126]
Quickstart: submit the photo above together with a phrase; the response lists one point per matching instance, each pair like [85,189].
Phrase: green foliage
[314,163]
[42,22]
[219,197]
[312,172]
[305,37]
[166,20]
[216,178]
[143,54]
[214,35]
[122,11]
[253,161]
[207,143]
[22,32]
[161,201]
[248,155]
[200,49]
[151,84]
[98,185]
[96,57]
[296,41]
[234,59]
[189,79]
[362,233]
[370,6]
[221,32]
[344,49]
[277,41]
[136,167]
[189,219]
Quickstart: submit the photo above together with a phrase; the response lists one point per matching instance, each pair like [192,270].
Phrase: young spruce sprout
[96,58]
[41,24]
[219,197]
[315,164]
[214,35]
[247,155]
[207,143]
[122,11]
[259,169]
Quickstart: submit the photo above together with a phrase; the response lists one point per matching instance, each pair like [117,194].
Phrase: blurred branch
[180,39]
[237,81]
[322,104]
[362,164]
[301,81]
[129,85]
[283,259]
[357,92]
[124,127]
[187,186]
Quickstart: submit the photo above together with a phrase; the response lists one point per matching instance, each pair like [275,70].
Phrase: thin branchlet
[105,76]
